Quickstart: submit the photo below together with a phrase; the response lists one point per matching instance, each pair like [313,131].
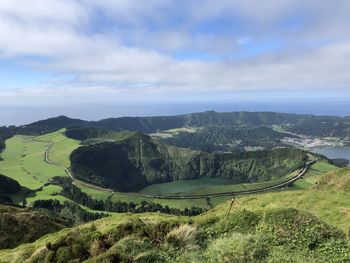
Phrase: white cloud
[116,61]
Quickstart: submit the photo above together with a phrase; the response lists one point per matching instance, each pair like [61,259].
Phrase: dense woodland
[69,211]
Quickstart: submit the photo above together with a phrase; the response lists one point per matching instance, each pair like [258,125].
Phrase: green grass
[314,174]
[181,186]
[63,147]
[24,162]
[207,186]
[104,225]
[327,205]
[215,235]
[48,192]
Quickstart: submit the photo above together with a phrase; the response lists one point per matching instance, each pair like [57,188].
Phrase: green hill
[137,160]
[298,123]
[270,235]
[50,125]
[19,225]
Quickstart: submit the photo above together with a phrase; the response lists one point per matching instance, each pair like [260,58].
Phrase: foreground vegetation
[270,235]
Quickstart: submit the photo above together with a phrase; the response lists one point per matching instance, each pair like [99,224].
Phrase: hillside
[228,138]
[50,125]
[138,160]
[338,180]
[270,235]
[18,225]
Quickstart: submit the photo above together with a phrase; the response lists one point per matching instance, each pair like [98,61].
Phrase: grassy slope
[322,192]
[18,225]
[317,170]
[273,229]
[104,225]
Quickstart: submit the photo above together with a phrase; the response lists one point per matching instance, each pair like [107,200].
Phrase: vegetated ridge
[137,160]
[270,235]
[298,123]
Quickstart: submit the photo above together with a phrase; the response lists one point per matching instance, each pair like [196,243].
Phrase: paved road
[245,192]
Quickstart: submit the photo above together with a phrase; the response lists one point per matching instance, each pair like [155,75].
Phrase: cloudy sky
[65,54]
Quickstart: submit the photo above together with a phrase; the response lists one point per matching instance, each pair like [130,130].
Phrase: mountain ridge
[303,123]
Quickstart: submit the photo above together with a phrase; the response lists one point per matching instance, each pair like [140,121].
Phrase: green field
[207,186]
[181,186]
[24,162]
[62,148]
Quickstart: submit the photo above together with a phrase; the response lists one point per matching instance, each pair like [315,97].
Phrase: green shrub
[63,255]
[285,255]
[237,248]
[294,228]
[242,221]
[183,236]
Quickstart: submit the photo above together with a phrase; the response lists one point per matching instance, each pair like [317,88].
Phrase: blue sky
[66,53]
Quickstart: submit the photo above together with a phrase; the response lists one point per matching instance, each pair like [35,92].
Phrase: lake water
[334,152]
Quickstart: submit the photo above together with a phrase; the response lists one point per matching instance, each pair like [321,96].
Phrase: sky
[101,58]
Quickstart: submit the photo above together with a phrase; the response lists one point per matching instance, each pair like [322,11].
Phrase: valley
[122,178]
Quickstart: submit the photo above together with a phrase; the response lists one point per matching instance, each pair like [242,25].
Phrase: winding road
[244,192]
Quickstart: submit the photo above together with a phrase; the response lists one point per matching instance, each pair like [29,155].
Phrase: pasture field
[24,162]
[208,186]
[181,186]
[63,146]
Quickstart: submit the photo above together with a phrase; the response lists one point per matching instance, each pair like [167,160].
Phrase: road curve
[178,197]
